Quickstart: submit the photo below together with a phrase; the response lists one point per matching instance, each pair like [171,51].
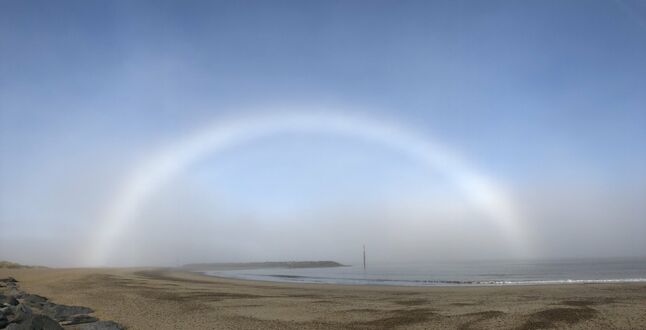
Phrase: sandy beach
[169,299]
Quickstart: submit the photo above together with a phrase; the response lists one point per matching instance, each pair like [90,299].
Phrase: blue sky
[548,96]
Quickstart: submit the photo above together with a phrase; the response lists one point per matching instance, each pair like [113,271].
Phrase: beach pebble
[101,325]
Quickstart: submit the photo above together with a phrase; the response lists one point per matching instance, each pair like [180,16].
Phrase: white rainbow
[484,192]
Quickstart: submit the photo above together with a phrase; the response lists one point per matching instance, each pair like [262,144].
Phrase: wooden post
[364,257]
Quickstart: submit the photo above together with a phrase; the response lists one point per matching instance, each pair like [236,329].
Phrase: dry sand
[167,299]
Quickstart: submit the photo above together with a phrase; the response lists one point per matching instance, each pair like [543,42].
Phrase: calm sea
[460,273]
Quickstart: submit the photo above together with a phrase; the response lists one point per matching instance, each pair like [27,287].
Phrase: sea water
[509,272]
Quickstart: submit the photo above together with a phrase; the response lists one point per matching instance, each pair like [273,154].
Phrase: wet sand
[168,299]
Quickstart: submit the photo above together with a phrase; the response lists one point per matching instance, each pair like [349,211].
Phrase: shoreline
[418,283]
[144,298]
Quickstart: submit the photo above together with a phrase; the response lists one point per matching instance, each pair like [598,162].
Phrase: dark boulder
[7,313]
[24,311]
[64,312]
[79,319]
[21,312]
[3,318]
[35,322]
[101,325]
[8,282]
[9,300]
[33,300]
[12,301]
[14,292]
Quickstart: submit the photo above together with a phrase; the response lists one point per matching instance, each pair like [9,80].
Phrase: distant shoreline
[305,280]
[261,265]
[437,274]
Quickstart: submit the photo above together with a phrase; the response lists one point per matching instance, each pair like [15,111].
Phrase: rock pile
[21,310]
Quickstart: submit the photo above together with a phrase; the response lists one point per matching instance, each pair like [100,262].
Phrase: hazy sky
[547,97]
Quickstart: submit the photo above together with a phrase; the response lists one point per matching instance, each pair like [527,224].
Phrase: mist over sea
[500,272]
